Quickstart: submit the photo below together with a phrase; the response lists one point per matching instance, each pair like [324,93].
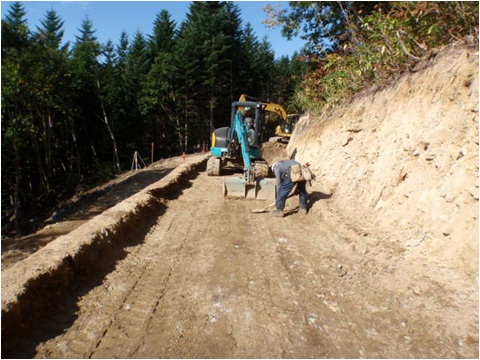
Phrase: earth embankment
[404,159]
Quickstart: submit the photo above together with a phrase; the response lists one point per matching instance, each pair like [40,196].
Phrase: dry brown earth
[385,265]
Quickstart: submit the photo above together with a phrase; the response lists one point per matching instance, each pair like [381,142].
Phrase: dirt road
[214,280]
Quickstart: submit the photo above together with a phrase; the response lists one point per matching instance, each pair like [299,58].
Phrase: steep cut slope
[404,160]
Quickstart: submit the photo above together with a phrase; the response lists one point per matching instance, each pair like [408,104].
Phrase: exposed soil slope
[405,160]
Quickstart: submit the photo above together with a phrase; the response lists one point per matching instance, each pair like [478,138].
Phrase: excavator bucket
[265,189]
[262,189]
[234,187]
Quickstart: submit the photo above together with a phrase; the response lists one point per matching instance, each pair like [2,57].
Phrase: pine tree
[159,99]
[210,48]
[52,82]
[164,33]
[15,31]
[122,50]
[85,55]
[90,137]
[123,101]
[65,111]
[135,69]
[107,96]
[50,34]
[264,60]
[249,74]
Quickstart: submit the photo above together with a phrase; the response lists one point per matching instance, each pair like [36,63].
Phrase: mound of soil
[84,206]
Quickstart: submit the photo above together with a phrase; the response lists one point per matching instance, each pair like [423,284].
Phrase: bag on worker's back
[300,173]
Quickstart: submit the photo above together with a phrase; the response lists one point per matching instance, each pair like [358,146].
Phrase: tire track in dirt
[194,321]
[125,334]
[303,280]
[213,280]
[100,308]
[129,297]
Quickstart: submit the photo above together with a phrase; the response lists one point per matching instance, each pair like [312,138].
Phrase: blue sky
[110,18]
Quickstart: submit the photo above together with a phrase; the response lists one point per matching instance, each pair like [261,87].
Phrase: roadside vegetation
[353,45]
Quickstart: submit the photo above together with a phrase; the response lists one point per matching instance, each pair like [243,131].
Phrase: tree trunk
[44,179]
[116,161]
[176,123]
[16,190]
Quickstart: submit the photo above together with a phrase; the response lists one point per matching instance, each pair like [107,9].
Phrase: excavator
[286,123]
[239,146]
[285,127]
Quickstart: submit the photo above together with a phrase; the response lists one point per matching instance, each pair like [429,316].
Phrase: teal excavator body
[239,146]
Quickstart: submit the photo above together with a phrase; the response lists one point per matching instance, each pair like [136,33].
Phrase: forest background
[74,115]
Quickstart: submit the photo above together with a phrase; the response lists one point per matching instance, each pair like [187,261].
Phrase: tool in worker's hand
[265,209]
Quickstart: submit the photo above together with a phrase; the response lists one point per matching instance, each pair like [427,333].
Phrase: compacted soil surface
[212,279]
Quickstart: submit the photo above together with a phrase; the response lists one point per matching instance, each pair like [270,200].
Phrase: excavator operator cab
[239,147]
[252,119]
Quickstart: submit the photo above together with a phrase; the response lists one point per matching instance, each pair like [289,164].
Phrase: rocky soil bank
[405,158]
[403,161]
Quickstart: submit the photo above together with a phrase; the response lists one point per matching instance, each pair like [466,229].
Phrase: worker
[251,135]
[284,185]
[278,130]
[248,118]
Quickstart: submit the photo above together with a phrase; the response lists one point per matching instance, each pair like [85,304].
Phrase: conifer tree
[159,99]
[52,82]
[50,34]
[69,114]
[210,46]
[123,101]
[249,71]
[90,136]
[15,31]
[164,33]
[108,98]
[137,66]
[264,60]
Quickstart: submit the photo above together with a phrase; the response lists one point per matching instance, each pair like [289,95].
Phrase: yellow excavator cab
[286,122]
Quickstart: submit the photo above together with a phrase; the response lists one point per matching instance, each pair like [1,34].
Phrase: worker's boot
[277,213]
[302,211]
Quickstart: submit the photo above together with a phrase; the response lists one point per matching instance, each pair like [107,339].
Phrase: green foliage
[319,22]
[372,42]
[51,33]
